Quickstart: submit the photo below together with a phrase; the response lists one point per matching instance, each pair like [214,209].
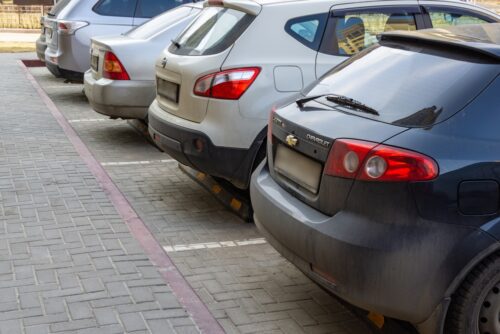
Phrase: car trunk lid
[302,140]
[176,76]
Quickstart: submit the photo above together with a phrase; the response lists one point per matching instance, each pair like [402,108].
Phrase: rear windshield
[409,86]
[58,7]
[160,22]
[214,30]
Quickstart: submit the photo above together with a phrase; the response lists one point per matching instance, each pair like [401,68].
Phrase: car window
[350,31]
[213,31]
[411,85]
[122,8]
[160,22]
[307,29]
[444,17]
[150,8]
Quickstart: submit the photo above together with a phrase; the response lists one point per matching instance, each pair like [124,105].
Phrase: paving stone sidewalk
[68,263]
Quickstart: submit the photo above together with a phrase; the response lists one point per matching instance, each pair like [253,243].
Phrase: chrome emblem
[291,140]
[164,62]
[318,140]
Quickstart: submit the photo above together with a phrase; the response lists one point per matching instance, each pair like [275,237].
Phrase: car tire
[475,306]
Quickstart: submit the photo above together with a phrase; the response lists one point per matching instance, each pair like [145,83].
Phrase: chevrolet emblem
[291,140]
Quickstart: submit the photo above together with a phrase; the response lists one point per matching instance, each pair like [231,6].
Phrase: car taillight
[228,85]
[70,27]
[113,68]
[368,161]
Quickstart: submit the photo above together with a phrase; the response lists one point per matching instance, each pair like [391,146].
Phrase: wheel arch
[436,321]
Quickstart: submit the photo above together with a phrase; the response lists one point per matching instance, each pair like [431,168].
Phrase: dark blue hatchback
[383,183]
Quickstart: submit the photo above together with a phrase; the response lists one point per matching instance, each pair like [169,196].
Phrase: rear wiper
[347,101]
[339,99]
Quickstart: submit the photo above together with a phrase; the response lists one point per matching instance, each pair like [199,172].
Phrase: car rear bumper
[195,149]
[119,98]
[70,56]
[53,65]
[41,45]
[402,272]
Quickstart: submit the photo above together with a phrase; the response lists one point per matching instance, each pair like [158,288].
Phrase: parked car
[68,36]
[121,81]
[41,43]
[383,183]
[220,78]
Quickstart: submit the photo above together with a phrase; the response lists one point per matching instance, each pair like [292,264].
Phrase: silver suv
[68,36]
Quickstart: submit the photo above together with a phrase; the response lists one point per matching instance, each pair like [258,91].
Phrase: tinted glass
[150,8]
[214,30]
[307,29]
[442,17]
[123,8]
[354,30]
[58,7]
[408,86]
[160,23]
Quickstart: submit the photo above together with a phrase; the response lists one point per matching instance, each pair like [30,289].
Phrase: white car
[218,81]
[121,80]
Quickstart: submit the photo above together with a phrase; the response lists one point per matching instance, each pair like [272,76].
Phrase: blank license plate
[298,168]
[168,90]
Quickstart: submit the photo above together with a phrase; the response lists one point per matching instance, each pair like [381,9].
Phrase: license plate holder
[94,62]
[48,35]
[168,90]
[298,168]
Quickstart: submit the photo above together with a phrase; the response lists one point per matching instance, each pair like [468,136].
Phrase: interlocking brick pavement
[68,262]
[249,289]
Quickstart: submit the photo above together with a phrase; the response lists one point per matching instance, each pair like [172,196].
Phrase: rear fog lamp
[324,275]
[375,167]
[351,162]
[198,145]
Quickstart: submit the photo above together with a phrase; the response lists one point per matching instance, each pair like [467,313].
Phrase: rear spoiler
[485,49]
[246,6]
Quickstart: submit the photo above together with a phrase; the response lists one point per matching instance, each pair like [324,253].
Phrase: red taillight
[63,26]
[368,161]
[113,68]
[228,85]
[70,27]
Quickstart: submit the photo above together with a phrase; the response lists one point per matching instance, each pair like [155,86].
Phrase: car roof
[482,38]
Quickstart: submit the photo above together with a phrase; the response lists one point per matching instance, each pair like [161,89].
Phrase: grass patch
[10,47]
